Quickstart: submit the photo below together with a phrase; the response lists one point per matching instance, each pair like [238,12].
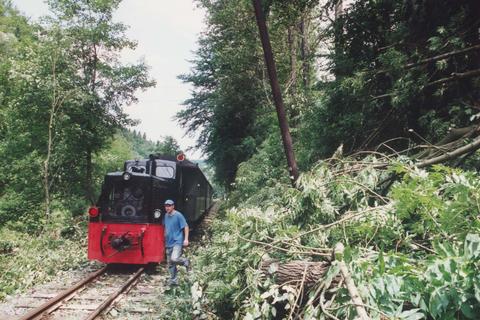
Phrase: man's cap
[169,202]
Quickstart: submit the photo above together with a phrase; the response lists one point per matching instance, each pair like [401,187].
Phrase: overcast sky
[167,32]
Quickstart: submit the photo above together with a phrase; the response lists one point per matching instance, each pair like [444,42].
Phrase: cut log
[292,272]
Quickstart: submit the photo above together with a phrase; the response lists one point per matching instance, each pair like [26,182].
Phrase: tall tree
[167,146]
[20,180]
[62,92]
[277,95]
[230,110]
[107,84]
[54,57]
[228,95]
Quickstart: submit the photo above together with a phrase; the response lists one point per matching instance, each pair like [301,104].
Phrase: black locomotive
[126,225]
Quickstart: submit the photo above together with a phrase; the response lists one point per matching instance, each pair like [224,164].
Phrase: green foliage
[105,83]
[225,104]
[261,175]
[62,92]
[142,147]
[413,250]
[28,259]
[174,303]
[378,92]
[437,203]
[230,110]
[373,84]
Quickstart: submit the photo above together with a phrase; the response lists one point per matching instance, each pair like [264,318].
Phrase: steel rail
[114,295]
[42,308]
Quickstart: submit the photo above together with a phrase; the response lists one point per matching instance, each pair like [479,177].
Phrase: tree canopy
[354,74]
[62,93]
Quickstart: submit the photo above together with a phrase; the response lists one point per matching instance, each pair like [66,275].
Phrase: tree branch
[352,289]
[435,58]
[453,76]
[474,145]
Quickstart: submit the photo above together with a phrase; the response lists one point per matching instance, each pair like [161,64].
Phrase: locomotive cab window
[165,169]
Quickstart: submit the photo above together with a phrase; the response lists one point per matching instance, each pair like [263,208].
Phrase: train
[126,224]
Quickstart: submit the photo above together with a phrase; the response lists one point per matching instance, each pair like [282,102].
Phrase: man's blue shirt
[174,225]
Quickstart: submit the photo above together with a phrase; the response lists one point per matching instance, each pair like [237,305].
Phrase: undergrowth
[28,259]
[412,239]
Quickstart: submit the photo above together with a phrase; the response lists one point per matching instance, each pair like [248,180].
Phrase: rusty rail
[114,295]
[39,310]
[33,314]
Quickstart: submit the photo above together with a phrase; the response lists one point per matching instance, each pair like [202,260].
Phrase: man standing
[176,236]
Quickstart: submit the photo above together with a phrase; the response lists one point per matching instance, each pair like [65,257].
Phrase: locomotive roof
[185,163]
[136,174]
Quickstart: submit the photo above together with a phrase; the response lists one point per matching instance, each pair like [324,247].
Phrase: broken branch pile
[406,246]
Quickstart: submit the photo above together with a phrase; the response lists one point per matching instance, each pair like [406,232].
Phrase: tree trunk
[89,164]
[293,59]
[304,53]
[88,178]
[277,95]
[46,163]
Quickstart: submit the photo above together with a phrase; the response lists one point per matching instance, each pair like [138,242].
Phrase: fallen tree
[275,259]
[310,274]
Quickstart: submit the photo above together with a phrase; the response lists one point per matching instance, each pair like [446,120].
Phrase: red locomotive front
[126,227]
[125,243]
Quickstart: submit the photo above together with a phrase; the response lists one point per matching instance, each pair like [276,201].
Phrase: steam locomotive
[126,224]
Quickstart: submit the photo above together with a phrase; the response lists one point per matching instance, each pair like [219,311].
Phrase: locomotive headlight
[126,176]
[157,213]
[93,212]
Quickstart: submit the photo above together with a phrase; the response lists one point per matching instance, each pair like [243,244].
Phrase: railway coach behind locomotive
[126,225]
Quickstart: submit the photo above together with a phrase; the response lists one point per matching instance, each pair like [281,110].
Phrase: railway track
[82,294]
[88,298]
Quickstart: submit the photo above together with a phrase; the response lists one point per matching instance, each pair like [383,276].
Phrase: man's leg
[177,258]
[172,267]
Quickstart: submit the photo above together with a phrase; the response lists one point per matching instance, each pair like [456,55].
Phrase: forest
[382,100]
[383,105]
[63,90]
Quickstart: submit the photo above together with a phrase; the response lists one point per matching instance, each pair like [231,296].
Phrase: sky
[167,33]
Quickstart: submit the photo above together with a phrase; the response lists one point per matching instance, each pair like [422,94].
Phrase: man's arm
[186,232]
